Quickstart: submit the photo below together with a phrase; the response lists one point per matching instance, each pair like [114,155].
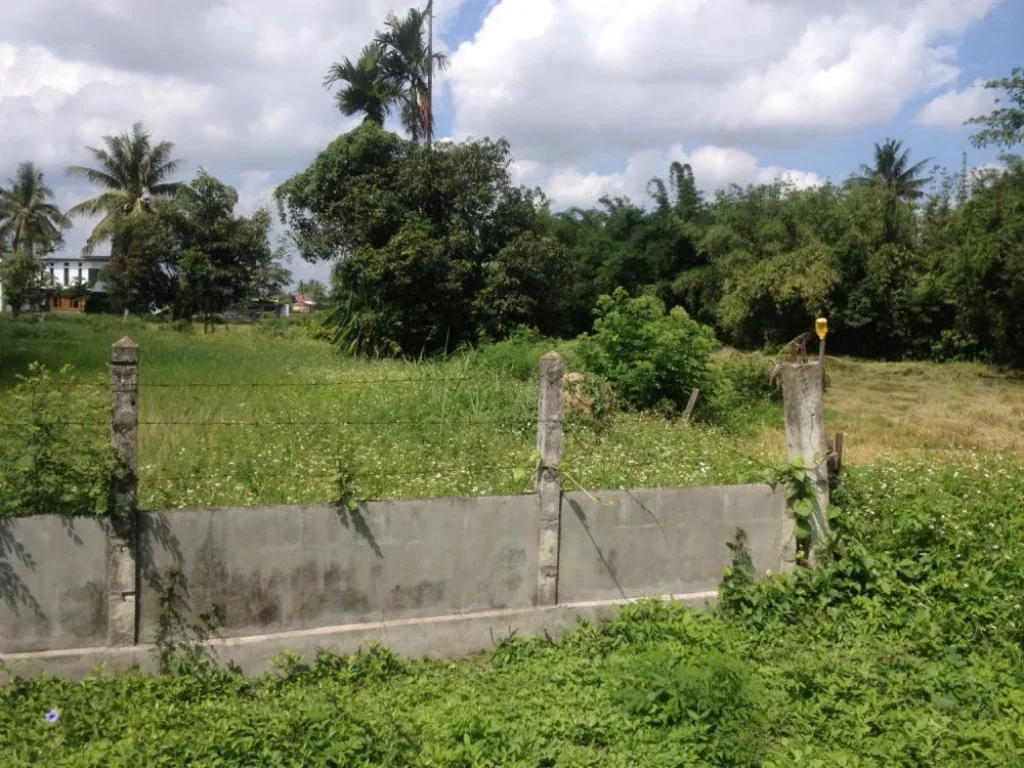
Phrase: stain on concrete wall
[287,568]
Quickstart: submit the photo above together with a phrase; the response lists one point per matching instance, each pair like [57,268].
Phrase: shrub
[748,378]
[517,356]
[55,451]
[651,359]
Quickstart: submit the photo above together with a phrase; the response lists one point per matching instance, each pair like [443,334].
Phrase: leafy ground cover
[904,649]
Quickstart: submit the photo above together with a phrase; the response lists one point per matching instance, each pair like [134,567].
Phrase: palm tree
[365,89]
[27,219]
[893,170]
[408,64]
[132,172]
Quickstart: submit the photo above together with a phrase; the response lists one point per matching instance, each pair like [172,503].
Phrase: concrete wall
[53,583]
[288,568]
[431,577]
[624,544]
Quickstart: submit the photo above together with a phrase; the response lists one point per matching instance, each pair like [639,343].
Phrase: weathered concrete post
[550,418]
[121,543]
[804,403]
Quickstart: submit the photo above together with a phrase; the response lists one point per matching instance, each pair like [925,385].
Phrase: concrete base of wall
[431,637]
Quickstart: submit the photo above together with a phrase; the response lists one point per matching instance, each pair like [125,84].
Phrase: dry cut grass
[894,410]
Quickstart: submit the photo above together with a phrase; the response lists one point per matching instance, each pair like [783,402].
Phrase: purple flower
[52,716]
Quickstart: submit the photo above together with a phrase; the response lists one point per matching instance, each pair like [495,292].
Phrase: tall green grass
[246,415]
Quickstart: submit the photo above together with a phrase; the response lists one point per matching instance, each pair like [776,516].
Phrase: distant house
[303,303]
[68,271]
[66,304]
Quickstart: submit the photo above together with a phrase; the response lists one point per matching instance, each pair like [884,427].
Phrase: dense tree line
[898,272]
[436,248]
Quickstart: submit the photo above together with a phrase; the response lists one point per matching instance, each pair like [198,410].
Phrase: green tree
[1005,125]
[134,173]
[192,253]
[893,170]
[415,236]
[686,200]
[984,270]
[28,219]
[24,280]
[407,65]
[365,90]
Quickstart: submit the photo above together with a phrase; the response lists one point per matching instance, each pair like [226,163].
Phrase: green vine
[801,496]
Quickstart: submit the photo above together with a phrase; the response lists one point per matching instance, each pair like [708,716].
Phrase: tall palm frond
[132,171]
[892,169]
[407,65]
[366,90]
[27,218]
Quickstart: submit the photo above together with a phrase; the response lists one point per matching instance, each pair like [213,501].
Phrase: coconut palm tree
[132,171]
[28,221]
[408,63]
[892,169]
[365,89]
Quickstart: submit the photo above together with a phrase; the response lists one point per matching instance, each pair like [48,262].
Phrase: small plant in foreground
[54,459]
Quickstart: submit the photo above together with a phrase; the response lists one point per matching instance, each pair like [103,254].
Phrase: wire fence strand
[422,472]
[276,384]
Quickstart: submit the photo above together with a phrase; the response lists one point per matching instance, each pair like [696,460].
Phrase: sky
[595,96]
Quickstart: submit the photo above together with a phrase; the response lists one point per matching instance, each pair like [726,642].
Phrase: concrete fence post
[122,540]
[550,438]
[804,404]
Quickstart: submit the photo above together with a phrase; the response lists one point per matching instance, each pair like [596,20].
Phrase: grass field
[296,410]
[903,648]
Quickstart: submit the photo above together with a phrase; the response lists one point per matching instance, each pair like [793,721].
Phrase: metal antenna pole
[430,73]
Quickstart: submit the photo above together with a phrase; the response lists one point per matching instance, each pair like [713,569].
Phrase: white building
[73,270]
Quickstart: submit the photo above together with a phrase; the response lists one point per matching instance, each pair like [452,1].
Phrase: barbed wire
[274,384]
[421,472]
[523,422]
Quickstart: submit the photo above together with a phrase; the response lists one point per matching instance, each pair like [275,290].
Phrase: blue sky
[596,96]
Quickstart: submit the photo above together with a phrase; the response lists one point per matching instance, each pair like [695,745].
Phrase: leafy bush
[747,376]
[651,359]
[55,451]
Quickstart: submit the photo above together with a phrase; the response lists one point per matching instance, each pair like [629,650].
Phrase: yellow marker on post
[821,326]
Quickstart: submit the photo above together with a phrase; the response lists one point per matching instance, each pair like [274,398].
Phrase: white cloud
[713,168]
[953,108]
[236,84]
[575,79]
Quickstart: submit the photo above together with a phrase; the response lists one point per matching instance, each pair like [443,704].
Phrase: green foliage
[900,650]
[24,279]
[28,220]
[801,499]
[651,359]
[192,253]
[517,356]
[53,458]
[1005,125]
[133,173]
[432,249]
